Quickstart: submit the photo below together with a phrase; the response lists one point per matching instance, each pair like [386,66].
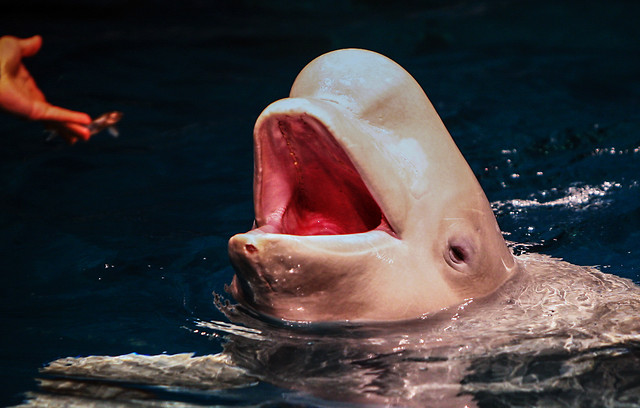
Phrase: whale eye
[457,254]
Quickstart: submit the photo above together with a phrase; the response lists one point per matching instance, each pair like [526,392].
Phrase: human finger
[30,46]
[82,131]
[70,132]
[45,111]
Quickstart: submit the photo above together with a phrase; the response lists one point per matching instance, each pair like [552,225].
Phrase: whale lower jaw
[300,278]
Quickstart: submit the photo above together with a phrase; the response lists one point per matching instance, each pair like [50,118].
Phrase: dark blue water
[115,246]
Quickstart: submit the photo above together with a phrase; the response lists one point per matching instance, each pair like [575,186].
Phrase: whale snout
[245,251]
[244,246]
[249,282]
[265,271]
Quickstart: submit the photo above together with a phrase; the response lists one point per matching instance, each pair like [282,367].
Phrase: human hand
[20,95]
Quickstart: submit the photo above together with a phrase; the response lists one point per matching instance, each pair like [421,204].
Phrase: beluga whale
[365,209]
[376,273]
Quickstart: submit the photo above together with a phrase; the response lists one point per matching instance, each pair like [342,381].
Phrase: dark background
[115,246]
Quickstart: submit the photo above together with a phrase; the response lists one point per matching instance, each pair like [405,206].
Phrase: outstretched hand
[20,95]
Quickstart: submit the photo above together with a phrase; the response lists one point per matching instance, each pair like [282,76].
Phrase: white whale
[365,209]
[366,212]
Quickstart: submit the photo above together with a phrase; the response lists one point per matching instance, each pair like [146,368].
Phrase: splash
[574,197]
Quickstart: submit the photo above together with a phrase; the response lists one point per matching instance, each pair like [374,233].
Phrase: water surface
[115,246]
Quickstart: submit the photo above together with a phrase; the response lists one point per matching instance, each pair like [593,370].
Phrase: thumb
[30,46]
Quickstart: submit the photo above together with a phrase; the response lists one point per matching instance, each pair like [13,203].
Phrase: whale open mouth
[305,184]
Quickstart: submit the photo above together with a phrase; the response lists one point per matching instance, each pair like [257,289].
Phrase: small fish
[106,121]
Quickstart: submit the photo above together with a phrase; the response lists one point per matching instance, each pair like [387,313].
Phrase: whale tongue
[329,196]
[328,212]
[325,194]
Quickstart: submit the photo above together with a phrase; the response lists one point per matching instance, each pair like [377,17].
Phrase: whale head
[365,209]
